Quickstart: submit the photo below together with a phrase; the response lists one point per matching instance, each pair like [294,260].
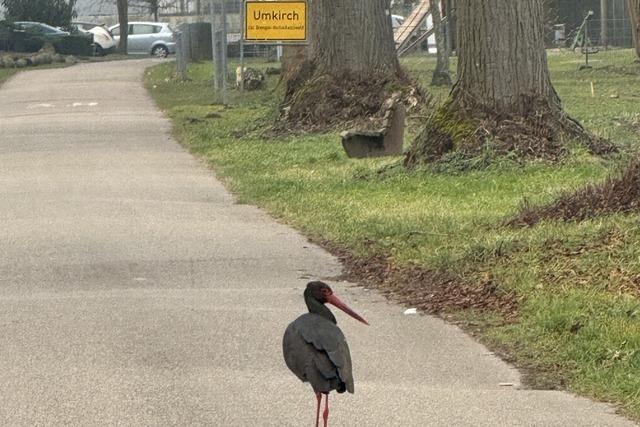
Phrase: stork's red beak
[333,300]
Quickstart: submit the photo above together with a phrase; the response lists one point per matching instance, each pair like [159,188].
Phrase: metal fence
[617,33]
[218,37]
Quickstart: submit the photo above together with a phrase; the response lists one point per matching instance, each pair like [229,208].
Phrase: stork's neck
[316,307]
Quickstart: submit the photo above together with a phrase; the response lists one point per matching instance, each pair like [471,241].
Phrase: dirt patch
[618,194]
[430,291]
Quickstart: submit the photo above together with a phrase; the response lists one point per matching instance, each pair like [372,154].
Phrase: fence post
[219,36]
[181,57]
[242,20]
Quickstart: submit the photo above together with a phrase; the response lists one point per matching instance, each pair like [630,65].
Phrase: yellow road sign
[275,21]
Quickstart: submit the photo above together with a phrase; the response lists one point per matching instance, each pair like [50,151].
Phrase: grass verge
[5,73]
[577,284]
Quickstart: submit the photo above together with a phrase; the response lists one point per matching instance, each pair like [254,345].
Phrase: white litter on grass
[506,384]
[411,311]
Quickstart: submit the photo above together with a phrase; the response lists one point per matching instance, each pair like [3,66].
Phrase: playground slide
[411,24]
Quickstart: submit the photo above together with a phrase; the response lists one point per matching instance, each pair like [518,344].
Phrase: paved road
[133,291]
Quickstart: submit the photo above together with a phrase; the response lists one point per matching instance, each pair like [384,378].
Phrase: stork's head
[322,293]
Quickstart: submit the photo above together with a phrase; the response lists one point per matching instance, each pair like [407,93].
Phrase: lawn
[578,284]
[5,73]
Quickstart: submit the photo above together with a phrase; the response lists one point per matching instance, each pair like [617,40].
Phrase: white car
[155,38]
[102,39]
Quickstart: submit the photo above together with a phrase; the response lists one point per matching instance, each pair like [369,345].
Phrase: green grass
[5,73]
[578,283]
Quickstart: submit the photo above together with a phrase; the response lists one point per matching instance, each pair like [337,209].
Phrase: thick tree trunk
[634,15]
[441,75]
[123,20]
[503,95]
[350,61]
[352,35]
[502,64]
[292,57]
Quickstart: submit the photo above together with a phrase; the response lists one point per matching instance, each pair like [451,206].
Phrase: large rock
[44,58]
[21,63]
[8,62]
[56,57]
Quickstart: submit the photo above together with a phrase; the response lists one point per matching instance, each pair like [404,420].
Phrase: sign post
[272,22]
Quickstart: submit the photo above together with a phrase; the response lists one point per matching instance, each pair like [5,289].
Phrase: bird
[315,349]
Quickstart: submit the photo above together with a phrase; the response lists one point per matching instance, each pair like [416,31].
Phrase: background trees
[123,20]
[634,14]
[57,13]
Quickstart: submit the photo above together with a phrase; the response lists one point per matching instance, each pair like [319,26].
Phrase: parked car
[102,39]
[47,32]
[155,38]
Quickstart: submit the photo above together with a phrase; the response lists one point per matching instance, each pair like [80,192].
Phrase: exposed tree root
[541,134]
[318,102]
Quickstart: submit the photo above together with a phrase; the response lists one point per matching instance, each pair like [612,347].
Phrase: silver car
[155,38]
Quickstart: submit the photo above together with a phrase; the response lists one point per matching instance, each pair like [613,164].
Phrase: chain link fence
[218,37]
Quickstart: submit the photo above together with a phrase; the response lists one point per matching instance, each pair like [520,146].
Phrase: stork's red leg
[325,414]
[319,398]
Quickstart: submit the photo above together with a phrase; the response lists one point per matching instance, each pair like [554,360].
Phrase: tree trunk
[502,64]
[349,63]
[604,37]
[634,15]
[441,75]
[503,94]
[292,57]
[449,26]
[123,20]
[352,35]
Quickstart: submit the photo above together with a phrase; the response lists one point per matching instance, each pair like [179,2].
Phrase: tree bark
[123,20]
[502,63]
[450,25]
[634,16]
[604,37]
[352,35]
[350,60]
[441,76]
[503,95]
[292,57]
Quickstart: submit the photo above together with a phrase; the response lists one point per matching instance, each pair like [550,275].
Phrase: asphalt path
[134,291]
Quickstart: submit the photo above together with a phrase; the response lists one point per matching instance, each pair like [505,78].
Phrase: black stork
[315,348]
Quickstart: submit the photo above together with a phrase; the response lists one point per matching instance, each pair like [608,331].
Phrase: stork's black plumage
[315,349]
